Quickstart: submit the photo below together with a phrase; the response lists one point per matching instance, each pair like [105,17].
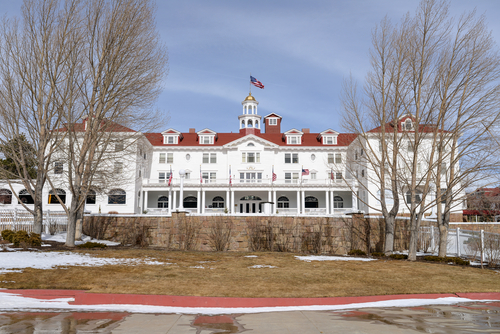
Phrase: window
[443,168]
[418,197]
[206,140]
[273,121]
[5,196]
[53,198]
[251,177]
[163,202]
[58,167]
[338,202]
[218,202]
[162,177]
[91,197]
[190,202]
[170,140]
[291,158]
[118,167]
[188,157]
[410,147]
[338,158]
[117,196]
[443,195]
[293,140]
[329,140]
[118,147]
[162,158]
[249,123]
[408,124]
[330,158]
[313,176]
[362,173]
[25,197]
[209,177]
[250,157]
[170,158]
[209,158]
[311,202]
[338,177]
[283,202]
[187,176]
[291,177]
[313,157]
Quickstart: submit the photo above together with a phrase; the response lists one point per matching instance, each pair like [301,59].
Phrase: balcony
[237,182]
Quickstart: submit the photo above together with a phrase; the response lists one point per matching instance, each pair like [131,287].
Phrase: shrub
[90,244]
[398,256]
[356,252]
[23,238]
[378,254]
[8,235]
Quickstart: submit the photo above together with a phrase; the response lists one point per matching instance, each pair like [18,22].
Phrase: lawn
[231,275]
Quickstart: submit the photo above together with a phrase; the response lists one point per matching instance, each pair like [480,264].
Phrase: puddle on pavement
[217,324]
[67,323]
[471,318]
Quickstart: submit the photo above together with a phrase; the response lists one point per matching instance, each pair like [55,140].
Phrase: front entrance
[250,204]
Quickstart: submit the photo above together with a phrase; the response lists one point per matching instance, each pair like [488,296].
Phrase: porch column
[198,204]
[170,203]
[298,202]
[227,200]
[275,205]
[303,202]
[354,201]
[174,206]
[203,201]
[327,203]
[232,201]
[146,200]
[332,202]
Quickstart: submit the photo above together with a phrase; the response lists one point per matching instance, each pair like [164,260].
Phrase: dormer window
[293,140]
[171,137]
[293,137]
[206,140]
[273,121]
[329,140]
[407,125]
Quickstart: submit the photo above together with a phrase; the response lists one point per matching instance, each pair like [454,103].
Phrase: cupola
[249,121]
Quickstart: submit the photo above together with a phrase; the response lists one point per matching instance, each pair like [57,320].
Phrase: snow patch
[310,258]
[13,262]
[250,256]
[257,266]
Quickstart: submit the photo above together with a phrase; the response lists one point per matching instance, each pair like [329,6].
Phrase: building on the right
[483,205]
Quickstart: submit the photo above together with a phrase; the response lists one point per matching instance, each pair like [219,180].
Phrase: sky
[300,50]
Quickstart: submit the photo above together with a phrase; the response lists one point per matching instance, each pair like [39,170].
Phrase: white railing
[242,182]
[315,211]
[463,243]
[20,219]
[286,211]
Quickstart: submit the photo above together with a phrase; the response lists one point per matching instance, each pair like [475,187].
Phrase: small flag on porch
[230,180]
[201,177]
[305,171]
[274,175]
[331,175]
[170,177]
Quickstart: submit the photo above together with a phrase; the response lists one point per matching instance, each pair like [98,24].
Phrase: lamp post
[182,173]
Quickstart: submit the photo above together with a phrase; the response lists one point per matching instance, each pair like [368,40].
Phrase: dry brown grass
[231,277]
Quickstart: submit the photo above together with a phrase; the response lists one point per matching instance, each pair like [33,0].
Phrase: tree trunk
[443,239]
[412,249]
[38,216]
[389,235]
[72,217]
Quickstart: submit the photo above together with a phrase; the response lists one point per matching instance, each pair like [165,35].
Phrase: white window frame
[292,156]
[329,140]
[170,158]
[294,140]
[162,158]
[209,158]
[273,121]
[207,139]
[245,157]
[170,140]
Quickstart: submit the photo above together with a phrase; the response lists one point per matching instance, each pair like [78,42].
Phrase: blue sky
[300,51]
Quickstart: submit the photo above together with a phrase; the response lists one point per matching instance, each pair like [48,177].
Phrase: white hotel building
[229,173]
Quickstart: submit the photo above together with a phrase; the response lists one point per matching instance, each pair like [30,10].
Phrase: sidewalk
[82,300]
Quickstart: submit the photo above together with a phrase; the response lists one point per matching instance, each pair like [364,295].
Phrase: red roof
[308,139]
[111,127]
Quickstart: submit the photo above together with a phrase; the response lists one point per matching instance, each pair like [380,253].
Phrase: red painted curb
[83,298]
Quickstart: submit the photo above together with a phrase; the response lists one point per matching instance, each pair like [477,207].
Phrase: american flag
[201,177]
[170,177]
[274,175]
[256,82]
[305,171]
[230,180]
[331,175]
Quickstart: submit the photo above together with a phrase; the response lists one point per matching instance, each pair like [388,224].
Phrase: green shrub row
[22,238]
[398,256]
[447,259]
[358,252]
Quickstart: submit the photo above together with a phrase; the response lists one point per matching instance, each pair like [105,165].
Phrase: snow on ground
[250,256]
[13,302]
[47,260]
[257,266]
[310,258]
[61,237]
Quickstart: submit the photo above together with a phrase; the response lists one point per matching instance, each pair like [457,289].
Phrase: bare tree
[122,65]
[445,97]
[35,54]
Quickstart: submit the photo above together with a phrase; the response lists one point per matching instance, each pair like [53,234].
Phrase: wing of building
[259,168]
